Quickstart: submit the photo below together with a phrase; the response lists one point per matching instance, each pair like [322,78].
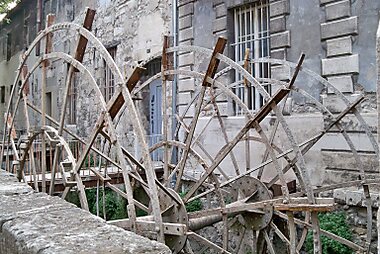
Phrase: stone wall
[378,74]
[378,105]
[34,223]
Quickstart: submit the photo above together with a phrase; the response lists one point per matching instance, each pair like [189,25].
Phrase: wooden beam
[82,43]
[211,70]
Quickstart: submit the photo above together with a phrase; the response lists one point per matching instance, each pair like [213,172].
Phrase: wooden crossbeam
[117,101]
[305,207]
[135,77]
[214,62]
[82,43]
[211,70]
[345,112]
[274,100]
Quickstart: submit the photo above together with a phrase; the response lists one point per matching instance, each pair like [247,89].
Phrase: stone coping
[34,223]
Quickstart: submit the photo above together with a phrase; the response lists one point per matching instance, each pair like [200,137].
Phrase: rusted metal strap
[167,59]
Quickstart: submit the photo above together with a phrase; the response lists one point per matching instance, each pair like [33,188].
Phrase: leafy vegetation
[336,224]
[192,206]
[115,206]
[4,5]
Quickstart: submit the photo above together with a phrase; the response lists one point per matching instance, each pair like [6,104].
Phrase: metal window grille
[251,31]
[109,84]
[2,94]
[73,101]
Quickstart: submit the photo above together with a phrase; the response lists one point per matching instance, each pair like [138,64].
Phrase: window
[72,101]
[109,79]
[2,94]
[251,31]
[9,46]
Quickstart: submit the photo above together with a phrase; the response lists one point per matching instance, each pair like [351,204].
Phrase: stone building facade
[338,38]
[121,26]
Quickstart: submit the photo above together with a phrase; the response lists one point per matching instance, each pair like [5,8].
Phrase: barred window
[109,79]
[251,31]
[72,100]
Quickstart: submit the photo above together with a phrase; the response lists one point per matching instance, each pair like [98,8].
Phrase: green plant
[90,161]
[192,206]
[115,206]
[335,223]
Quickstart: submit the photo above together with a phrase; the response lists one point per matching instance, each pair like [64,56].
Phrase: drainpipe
[39,26]
[175,66]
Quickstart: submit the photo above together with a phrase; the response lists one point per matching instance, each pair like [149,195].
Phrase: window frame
[72,100]
[109,79]
[251,30]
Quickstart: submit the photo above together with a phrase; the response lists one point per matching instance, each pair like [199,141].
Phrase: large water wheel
[245,206]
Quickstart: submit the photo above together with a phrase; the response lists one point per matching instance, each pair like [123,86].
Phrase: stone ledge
[37,223]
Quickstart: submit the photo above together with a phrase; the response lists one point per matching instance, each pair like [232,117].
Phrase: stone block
[278,54]
[186,34]
[223,33]
[217,2]
[38,223]
[346,161]
[277,24]
[280,72]
[338,10]
[185,10]
[354,198]
[335,104]
[323,2]
[220,10]
[351,123]
[10,186]
[186,59]
[340,65]
[223,108]
[186,85]
[219,24]
[341,27]
[339,46]
[185,22]
[183,113]
[234,3]
[279,8]
[184,2]
[280,40]
[342,83]
[184,98]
